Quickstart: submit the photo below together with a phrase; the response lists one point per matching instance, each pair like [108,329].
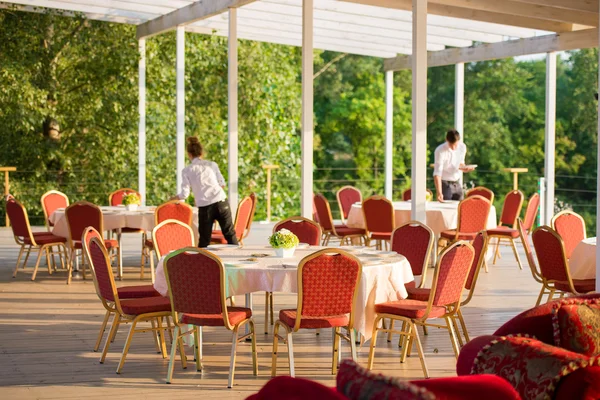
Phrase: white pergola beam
[232,111]
[459,98]
[306,203]
[194,12]
[142,120]
[550,134]
[389,134]
[542,44]
[180,104]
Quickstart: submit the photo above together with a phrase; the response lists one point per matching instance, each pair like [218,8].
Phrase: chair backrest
[482,191]
[346,196]
[307,231]
[51,201]
[252,212]
[473,214]
[116,197]
[528,251]
[531,211]
[407,194]
[174,209]
[551,254]
[451,273]
[88,234]
[479,246]
[378,214]
[171,235]
[327,284]
[19,221]
[104,280]
[242,216]
[414,240]
[571,228]
[196,281]
[323,209]
[79,216]
[513,202]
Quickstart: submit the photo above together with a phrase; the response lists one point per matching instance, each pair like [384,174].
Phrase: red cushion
[474,387]
[503,231]
[451,234]
[109,243]
[149,243]
[45,239]
[381,235]
[581,285]
[469,352]
[137,291]
[576,326]
[409,309]
[38,234]
[582,384]
[345,231]
[415,293]
[131,230]
[146,305]
[288,317]
[288,388]
[235,314]
[217,237]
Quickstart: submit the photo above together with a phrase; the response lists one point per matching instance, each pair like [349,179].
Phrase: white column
[550,134]
[306,203]
[459,98]
[598,191]
[389,133]
[419,109]
[142,121]
[180,64]
[232,110]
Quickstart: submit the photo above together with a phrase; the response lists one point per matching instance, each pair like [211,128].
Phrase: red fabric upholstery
[242,217]
[451,235]
[550,254]
[413,241]
[379,217]
[176,210]
[235,314]
[102,270]
[309,322]
[288,388]
[108,243]
[511,208]
[477,244]
[531,212]
[79,216]
[407,195]
[52,201]
[345,231]
[46,239]
[571,228]
[409,308]
[454,267]
[347,196]
[475,387]
[468,354]
[415,293]
[581,285]
[582,384]
[172,236]
[307,231]
[381,235]
[504,231]
[576,326]
[18,218]
[137,291]
[323,212]
[473,213]
[483,192]
[145,305]
[116,198]
[217,237]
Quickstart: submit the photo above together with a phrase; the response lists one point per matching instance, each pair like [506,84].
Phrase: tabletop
[582,263]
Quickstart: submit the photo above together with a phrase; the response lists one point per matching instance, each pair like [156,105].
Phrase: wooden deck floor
[48,330]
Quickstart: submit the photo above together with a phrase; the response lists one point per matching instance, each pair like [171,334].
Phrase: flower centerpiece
[131,201]
[284,242]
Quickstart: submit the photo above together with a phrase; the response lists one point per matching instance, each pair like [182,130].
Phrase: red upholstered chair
[535,271]
[407,194]
[533,205]
[196,280]
[444,301]
[243,219]
[481,191]
[551,253]
[472,218]
[379,220]
[42,242]
[328,227]
[171,235]
[174,209]
[506,230]
[79,216]
[571,228]
[134,310]
[125,292]
[327,287]
[51,201]
[116,197]
[346,197]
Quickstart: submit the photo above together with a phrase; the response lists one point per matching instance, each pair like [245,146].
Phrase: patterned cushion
[46,239]
[108,243]
[576,326]
[288,317]
[415,293]
[235,314]
[409,309]
[581,285]
[358,383]
[137,291]
[503,231]
[146,305]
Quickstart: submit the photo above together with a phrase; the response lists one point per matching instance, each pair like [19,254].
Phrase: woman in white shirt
[449,167]
[204,179]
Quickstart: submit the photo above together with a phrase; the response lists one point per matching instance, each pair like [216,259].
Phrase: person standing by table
[449,167]
[204,179]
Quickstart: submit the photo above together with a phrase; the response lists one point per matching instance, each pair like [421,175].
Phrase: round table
[582,263]
[382,279]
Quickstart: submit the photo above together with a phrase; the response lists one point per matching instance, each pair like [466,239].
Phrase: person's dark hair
[452,136]
[194,147]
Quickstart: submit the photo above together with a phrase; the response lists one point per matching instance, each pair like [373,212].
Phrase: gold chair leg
[37,264]
[198,347]
[353,353]
[267,296]
[111,335]
[336,350]
[496,252]
[407,342]
[450,324]
[181,351]
[172,357]
[27,257]
[161,336]
[463,324]
[143,260]
[373,343]
[420,351]
[540,296]
[127,344]
[152,276]
[102,329]
[389,338]
[234,342]
[457,331]
[18,260]
[275,348]
[514,247]
[254,353]
[290,346]
[48,262]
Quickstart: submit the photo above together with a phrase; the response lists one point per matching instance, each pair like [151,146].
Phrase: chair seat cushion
[381,235]
[108,243]
[39,234]
[503,231]
[149,243]
[451,234]
[345,231]
[235,314]
[575,324]
[288,317]
[217,237]
[46,239]
[131,230]
[409,309]
[146,305]
[581,285]
[137,291]
[415,293]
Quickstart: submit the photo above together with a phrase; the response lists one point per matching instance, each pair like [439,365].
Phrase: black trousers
[207,215]
[452,190]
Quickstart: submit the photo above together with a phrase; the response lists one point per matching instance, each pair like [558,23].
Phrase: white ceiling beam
[580,5]
[541,44]
[119,5]
[194,12]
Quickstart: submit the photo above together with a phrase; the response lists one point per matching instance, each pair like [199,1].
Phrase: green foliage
[283,239]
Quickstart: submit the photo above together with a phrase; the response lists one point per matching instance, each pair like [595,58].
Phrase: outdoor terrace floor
[48,330]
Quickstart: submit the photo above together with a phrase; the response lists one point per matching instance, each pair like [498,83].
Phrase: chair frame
[499,238]
[110,196]
[537,274]
[481,189]
[251,217]
[449,242]
[165,222]
[428,191]
[337,195]
[46,216]
[429,247]
[350,335]
[196,330]
[409,325]
[378,242]
[568,212]
[326,235]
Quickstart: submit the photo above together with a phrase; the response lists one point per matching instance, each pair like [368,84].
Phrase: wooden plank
[580,5]
[492,51]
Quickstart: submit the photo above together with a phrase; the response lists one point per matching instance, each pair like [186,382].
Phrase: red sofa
[550,350]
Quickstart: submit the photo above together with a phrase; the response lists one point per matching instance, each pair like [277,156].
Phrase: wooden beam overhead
[492,51]
[580,5]
[194,12]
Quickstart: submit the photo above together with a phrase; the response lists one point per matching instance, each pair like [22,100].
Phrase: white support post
[542,193]
[232,110]
[419,110]
[549,165]
[306,203]
[459,103]
[180,65]
[389,134]
[142,121]
[598,190]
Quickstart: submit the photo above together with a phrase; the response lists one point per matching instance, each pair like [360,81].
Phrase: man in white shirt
[449,167]
[204,179]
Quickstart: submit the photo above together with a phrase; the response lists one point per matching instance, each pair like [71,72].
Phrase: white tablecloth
[440,216]
[583,260]
[382,280]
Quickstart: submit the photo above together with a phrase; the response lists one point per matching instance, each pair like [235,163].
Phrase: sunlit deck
[48,330]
